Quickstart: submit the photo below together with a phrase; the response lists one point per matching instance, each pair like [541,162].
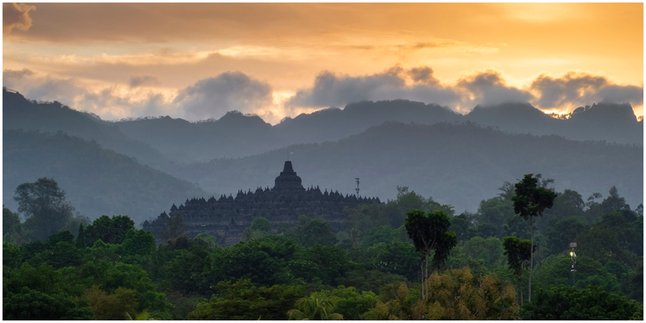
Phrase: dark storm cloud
[488,88]
[582,89]
[16,16]
[213,97]
[337,90]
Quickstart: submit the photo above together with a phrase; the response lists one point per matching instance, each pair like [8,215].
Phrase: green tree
[481,255]
[263,261]
[11,226]
[29,304]
[242,300]
[458,294]
[138,243]
[312,231]
[395,303]
[38,292]
[316,306]
[44,205]
[108,229]
[119,305]
[617,237]
[556,270]
[60,251]
[518,253]
[568,203]
[463,224]
[530,201]
[430,233]
[259,227]
[397,257]
[110,276]
[571,303]
[189,271]
[559,231]
[351,303]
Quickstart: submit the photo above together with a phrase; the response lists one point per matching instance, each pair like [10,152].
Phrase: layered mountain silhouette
[456,159]
[238,135]
[20,113]
[97,181]
[603,122]
[455,164]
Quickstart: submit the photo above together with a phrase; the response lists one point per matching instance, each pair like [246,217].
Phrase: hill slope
[97,181]
[22,114]
[455,164]
[237,135]
[603,122]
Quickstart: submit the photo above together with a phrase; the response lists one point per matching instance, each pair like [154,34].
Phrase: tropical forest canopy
[59,265]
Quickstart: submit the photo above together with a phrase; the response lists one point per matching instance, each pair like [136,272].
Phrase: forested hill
[238,135]
[97,181]
[455,164]
[609,122]
[19,113]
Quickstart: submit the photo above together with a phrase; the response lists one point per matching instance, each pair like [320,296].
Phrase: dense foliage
[370,269]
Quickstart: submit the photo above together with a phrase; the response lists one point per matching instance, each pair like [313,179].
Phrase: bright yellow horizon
[200,60]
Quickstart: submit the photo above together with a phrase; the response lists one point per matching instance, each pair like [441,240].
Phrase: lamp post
[573,261]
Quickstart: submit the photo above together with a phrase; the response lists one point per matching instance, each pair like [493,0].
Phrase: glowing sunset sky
[198,61]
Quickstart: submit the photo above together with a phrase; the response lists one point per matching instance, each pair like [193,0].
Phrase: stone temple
[227,217]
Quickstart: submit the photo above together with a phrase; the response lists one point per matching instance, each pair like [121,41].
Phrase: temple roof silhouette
[226,217]
[288,180]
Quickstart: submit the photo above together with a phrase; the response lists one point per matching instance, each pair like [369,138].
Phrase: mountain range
[456,159]
[458,165]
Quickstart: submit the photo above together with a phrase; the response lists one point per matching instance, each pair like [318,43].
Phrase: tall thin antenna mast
[357,189]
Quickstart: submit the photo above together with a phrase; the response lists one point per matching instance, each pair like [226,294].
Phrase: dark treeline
[58,265]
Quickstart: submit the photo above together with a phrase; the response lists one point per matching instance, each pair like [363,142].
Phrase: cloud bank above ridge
[212,97]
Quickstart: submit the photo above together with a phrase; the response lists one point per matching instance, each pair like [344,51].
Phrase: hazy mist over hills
[454,158]
[238,135]
[455,164]
[323,161]
[20,113]
[97,181]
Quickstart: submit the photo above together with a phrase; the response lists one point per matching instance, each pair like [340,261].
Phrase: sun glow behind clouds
[159,49]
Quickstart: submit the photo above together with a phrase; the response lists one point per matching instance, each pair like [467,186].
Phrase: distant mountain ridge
[609,122]
[225,155]
[455,164]
[255,136]
[162,141]
[20,113]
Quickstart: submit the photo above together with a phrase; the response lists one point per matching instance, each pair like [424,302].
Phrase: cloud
[577,89]
[213,97]
[208,98]
[423,75]
[144,80]
[16,16]
[41,87]
[622,94]
[110,102]
[330,89]
[489,88]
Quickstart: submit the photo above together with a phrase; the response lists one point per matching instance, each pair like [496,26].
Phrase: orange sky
[130,60]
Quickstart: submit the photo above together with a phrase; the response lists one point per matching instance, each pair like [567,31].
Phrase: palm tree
[316,306]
